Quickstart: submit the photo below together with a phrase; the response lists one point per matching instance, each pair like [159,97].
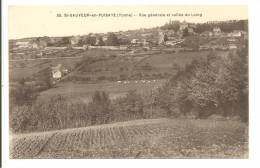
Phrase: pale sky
[35,21]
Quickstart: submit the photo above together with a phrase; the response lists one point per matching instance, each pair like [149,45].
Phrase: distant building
[207,34]
[23,44]
[162,38]
[35,45]
[55,48]
[236,33]
[145,42]
[75,40]
[39,44]
[134,41]
[231,40]
[58,71]
[104,38]
[174,42]
[190,30]
[146,34]
[216,31]
[232,46]
[183,25]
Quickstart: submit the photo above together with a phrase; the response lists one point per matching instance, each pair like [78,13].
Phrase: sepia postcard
[128,82]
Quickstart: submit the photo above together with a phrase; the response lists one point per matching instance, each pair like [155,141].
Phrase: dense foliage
[217,85]
[59,112]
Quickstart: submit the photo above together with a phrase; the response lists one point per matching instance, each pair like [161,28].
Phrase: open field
[148,65]
[153,138]
[115,65]
[179,58]
[84,91]
[27,67]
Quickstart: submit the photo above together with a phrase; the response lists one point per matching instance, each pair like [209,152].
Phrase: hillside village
[178,90]
[173,37]
[148,38]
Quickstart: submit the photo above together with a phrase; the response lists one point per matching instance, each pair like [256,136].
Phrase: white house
[56,74]
[134,41]
[58,71]
[235,33]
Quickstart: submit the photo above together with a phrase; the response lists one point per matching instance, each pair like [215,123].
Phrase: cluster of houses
[138,38]
[216,32]
[230,40]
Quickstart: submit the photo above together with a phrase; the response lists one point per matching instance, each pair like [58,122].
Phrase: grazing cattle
[119,81]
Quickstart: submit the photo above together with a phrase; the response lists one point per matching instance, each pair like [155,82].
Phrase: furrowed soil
[148,138]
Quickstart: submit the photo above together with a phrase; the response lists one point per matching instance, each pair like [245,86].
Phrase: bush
[129,107]
[59,112]
[54,113]
[22,118]
[22,94]
[100,108]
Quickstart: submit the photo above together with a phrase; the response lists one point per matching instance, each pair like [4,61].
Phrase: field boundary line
[45,144]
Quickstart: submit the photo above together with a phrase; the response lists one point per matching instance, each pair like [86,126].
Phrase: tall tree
[100,108]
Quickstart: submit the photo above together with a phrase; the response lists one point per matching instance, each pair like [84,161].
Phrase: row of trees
[59,112]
